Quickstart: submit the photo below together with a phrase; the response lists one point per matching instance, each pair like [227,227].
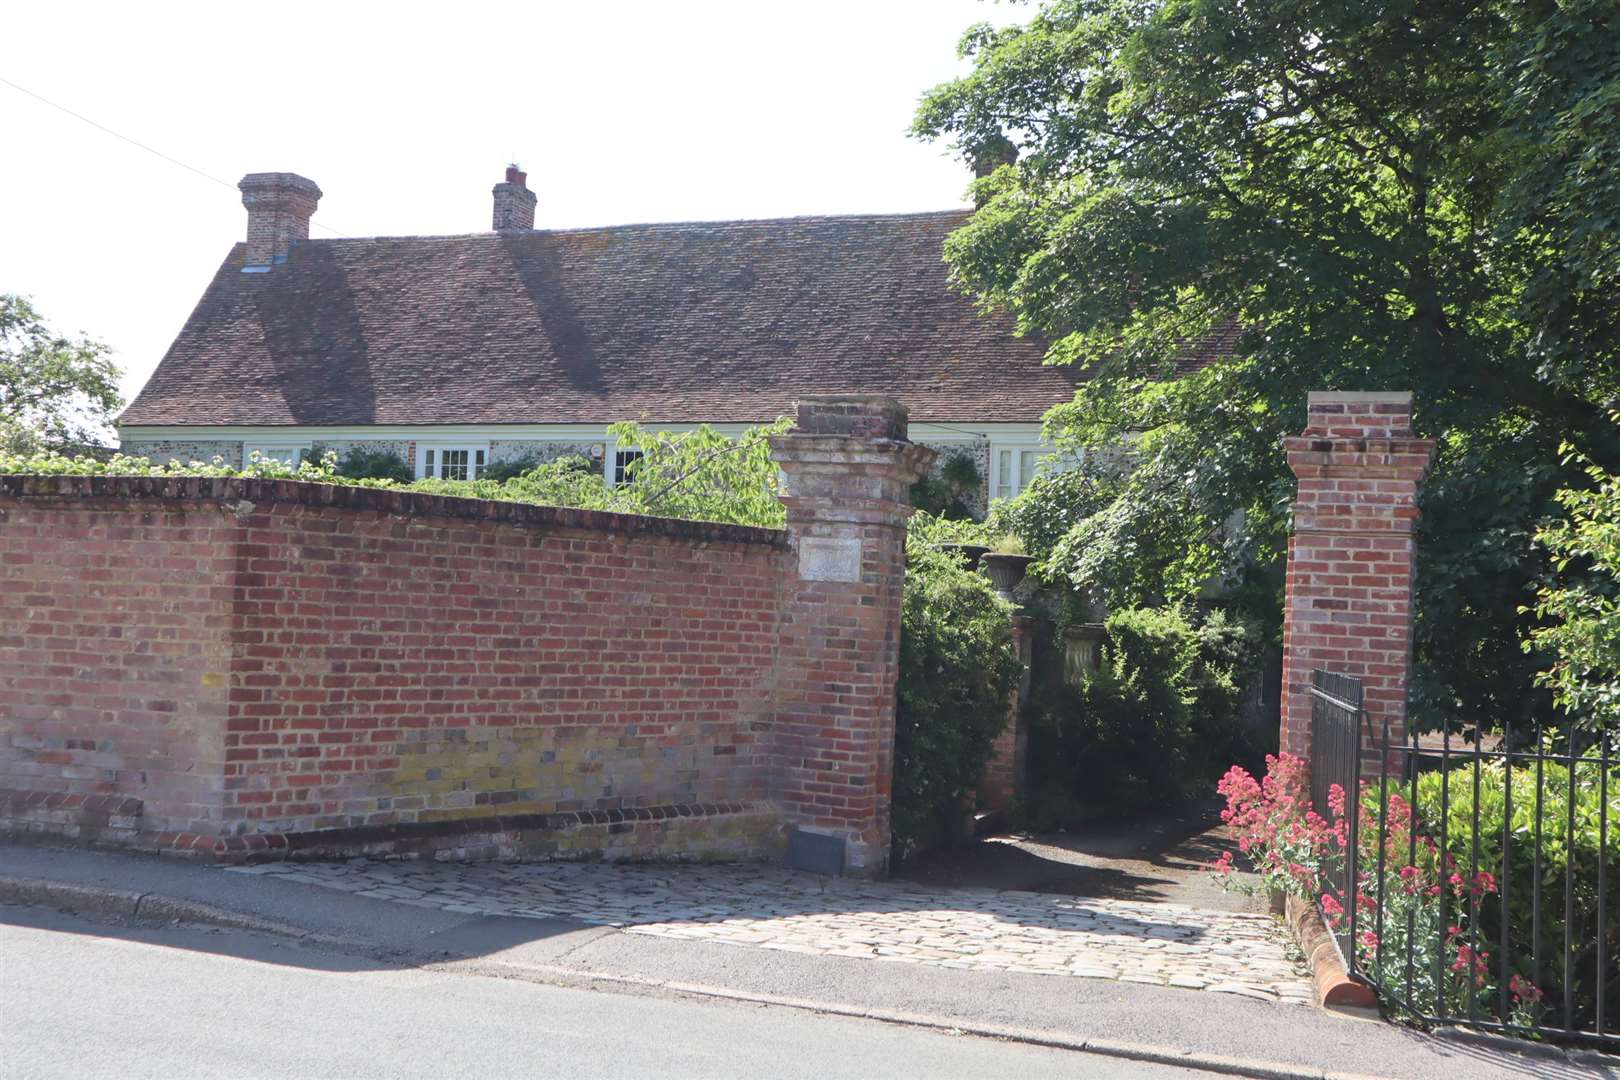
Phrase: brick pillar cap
[871,416]
[1345,397]
[278,181]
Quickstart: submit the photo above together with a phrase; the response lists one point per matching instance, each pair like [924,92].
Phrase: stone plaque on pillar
[830,558]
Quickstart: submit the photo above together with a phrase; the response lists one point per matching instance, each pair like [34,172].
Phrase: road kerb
[127,903]
[1163,1055]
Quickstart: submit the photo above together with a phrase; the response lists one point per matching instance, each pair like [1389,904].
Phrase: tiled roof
[720,322]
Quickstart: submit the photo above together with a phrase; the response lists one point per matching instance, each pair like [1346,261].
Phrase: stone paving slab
[764,906]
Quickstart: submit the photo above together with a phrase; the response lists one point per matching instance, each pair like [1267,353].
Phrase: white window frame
[437,449]
[610,462]
[274,449]
[1044,454]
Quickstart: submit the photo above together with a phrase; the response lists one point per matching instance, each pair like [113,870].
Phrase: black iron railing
[1337,723]
[1476,887]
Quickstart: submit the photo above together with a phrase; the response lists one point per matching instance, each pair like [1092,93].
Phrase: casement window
[286,453]
[622,460]
[446,462]
[1013,467]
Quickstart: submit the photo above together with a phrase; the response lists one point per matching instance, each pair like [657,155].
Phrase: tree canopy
[1415,194]
[55,391]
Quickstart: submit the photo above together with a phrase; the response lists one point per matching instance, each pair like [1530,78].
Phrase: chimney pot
[279,207]
[514,202]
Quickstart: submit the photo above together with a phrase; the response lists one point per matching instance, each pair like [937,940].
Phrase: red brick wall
[244,658]
[1349,583]
[114,651]
[393,669]
[257,657]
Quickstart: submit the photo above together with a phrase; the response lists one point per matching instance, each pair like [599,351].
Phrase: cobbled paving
[772,908]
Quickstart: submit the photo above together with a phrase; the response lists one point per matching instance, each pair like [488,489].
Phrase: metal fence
[1477,886]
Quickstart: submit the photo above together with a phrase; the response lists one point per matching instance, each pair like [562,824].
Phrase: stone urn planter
[1082,651]
[1006,571]
[968,553]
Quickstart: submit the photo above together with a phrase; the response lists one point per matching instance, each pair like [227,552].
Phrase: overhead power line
[172,160]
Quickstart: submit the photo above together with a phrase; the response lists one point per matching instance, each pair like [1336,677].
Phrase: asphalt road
[81,998]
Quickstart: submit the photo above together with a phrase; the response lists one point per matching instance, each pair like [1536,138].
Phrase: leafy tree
[55,391]
[1583,631]
[1418,194]
[703,474]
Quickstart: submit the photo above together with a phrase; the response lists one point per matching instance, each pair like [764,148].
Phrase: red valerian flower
[1524,990]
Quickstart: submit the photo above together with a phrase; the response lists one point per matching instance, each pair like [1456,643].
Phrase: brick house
[460,351]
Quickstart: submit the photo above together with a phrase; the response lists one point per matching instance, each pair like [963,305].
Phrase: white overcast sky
[406,115]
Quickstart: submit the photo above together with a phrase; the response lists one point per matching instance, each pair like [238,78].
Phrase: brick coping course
[387,501]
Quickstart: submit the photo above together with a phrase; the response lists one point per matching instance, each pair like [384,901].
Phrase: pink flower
[1476,964]
[1336,800]
[1525,990]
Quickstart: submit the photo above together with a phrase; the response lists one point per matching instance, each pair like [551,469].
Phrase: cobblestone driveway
[772,908]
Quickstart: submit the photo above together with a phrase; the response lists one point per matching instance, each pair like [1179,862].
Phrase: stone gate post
[1348,605]
[847,470]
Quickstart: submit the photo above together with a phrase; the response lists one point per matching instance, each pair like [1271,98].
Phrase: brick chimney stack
[514,202]
[279,207]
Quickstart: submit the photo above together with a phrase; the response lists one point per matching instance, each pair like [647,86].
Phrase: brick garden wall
[276,664]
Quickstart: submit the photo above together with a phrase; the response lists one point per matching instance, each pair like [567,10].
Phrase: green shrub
[371,463]
[930,530]
[506,469]
[1160,719]
[957,673]
[1575,852]
[699,475]
[566,481]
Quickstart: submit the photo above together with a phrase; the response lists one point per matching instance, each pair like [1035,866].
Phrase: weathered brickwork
[258,667]
[514,202]
[846,474]
[279,207]
[114,658]
[1004,774]
[185,451]
[1349,583]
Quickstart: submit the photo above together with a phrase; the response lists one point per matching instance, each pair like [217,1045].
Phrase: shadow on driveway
[1153,859]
